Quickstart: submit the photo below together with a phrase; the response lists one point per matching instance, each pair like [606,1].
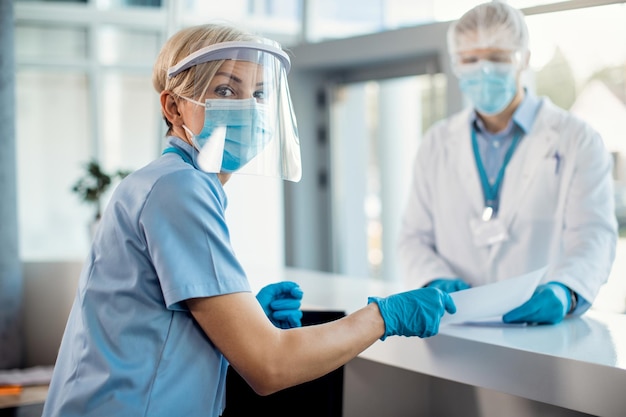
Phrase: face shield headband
[248,125]
[229,50]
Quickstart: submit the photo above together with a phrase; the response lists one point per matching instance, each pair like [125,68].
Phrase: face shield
[498,60]
[244,121]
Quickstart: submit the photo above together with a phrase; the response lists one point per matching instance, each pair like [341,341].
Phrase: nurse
[163,306]
[510,185]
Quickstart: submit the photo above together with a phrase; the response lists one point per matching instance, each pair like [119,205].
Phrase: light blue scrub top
[131,346]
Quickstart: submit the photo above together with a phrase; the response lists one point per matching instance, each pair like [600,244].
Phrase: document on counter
[488,303]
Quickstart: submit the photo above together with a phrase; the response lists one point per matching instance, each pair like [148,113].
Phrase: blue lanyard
[491,191]
[178,151]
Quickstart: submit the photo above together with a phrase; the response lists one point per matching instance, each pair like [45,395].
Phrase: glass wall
[49,149]
[376,127]
[50,43]
[84,91]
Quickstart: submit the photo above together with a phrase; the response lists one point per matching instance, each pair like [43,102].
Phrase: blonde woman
[163,305]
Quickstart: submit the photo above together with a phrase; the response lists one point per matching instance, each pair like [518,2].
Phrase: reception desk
[578,364]
[575,367]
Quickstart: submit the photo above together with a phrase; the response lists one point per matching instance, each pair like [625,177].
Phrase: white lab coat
[558,211]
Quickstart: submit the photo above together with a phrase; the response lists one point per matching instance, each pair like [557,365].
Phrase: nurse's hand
[548,305]
[281,304]
[414,313]
[448,284]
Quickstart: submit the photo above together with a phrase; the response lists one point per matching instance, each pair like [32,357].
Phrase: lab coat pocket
[541,200]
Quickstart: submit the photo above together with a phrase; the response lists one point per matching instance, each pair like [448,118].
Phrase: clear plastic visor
[244,121]
[469,61]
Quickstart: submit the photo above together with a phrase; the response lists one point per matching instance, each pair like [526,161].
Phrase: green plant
[94,183]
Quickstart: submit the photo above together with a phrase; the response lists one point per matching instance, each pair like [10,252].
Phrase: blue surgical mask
[490,86]
[246,125]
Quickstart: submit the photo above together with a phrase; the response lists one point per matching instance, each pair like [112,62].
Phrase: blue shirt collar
[189,150]
[526,112]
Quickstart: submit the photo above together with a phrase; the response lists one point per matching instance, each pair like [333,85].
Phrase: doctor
[510,185]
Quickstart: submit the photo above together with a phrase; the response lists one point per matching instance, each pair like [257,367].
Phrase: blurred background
[369,78]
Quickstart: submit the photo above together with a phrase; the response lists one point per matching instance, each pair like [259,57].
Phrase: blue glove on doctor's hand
[548,305]
[281,303]
[448,284]
[414,313]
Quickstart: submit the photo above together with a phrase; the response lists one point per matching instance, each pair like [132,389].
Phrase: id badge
[488,232]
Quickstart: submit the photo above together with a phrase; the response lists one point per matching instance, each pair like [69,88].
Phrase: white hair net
[489,25]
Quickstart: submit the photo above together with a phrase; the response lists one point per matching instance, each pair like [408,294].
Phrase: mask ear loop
[191,136]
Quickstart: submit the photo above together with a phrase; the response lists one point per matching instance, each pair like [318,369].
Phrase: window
[53,125]
[77,102]
[49,42]
[376,127]
[80,69]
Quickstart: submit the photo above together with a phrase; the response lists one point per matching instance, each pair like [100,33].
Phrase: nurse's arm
[271,359]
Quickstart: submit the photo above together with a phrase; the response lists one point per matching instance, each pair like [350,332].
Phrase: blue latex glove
[448,284]
[548,305]
[281,303]
[414,313]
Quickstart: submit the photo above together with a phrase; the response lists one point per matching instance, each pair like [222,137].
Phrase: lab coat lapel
[540,143]
[462,155]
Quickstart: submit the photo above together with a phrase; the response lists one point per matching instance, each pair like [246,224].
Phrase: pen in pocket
[557,162]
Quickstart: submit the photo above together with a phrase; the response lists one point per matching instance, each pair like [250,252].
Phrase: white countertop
[578,364]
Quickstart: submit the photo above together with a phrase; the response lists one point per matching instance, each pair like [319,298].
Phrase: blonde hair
[183,43]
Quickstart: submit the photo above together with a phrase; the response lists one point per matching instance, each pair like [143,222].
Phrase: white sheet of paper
[491,301]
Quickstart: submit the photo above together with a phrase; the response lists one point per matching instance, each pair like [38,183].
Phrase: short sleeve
[188,239]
